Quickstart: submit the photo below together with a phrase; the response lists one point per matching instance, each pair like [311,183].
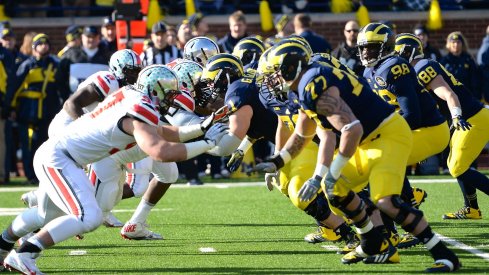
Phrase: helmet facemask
[164,102]
[130,74]
[277,85]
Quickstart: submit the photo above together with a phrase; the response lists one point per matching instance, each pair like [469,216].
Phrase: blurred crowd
[36,81]
[59,8]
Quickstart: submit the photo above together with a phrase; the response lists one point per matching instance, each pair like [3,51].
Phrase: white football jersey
[97,134]
[104,82]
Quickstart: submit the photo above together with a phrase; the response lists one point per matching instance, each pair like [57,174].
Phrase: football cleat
[389,256]
[443,266]
[111,221]
[322,234]
[407,240]
[3,255]
[394,239]
[351,243]
[464,213]
[29,199]
[24,263]
[139,231]
[419,196]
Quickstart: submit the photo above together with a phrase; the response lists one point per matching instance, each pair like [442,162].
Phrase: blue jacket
[465,70]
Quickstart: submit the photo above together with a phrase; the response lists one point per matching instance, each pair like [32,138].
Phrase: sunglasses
[352,30]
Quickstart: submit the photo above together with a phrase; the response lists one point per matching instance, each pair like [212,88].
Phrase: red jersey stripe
[147,115]
[103,85]
[64,191]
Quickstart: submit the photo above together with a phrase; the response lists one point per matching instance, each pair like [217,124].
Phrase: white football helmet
[125,65]
[200,49]
[161,84]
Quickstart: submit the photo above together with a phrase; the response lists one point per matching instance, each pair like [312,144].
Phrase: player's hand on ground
[271,178]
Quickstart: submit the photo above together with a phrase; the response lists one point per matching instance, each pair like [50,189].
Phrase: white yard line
[470,249]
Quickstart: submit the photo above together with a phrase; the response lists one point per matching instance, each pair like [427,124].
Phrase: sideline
[459,245]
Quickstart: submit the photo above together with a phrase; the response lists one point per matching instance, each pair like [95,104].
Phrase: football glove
[220,115]
[216,132]
[309,189]
[329,183]
[459,123]
[235,160]
[270,178]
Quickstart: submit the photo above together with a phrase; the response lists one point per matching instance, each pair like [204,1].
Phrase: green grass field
[253,231]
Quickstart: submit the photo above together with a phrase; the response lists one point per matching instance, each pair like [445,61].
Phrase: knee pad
[319,208]
[404,210]
[27,222]
[140,184]
[370,206]
[166,172]
[343,203]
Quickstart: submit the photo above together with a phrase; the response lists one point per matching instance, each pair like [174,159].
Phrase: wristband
[321,170]
[337,165]
[198,147]
[456,112]
[189,132]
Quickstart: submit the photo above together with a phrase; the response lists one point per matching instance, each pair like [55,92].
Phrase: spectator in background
[423,34]
[461,64]
[347,51]
[26,47]
[109,40]
[7,38]
[161,52]
[200,27]
[171,36]
[73,38]
[237,28]
[184,34]
[284,28]
[7,81]
[35,100]
[8,41]
[483,61]
[302,27]
[79,62]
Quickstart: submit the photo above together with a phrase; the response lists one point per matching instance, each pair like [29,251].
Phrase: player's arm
[159,149]
[239,123]
[441,88]
[281,135]
[342,118]
[325,152]
[81,98]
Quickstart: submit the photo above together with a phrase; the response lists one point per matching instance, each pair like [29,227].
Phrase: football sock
[436,247]
[388,223]
[370,239]
[5,242]
[142,212]
[407,191]
[344,230]
[476,179]
[27,246]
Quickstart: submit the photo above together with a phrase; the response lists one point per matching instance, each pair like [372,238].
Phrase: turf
[252,230]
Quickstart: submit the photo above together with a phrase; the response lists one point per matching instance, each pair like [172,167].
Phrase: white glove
[216,132]
[309,189]
[270,178]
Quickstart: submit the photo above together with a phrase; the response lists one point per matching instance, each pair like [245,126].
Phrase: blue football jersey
[366,105]
[394,80]
[244,91]
[427,70]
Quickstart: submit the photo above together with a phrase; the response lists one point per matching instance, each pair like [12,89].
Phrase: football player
[249,50]
[333,99]
[470,122]
[394,80]
[67,204]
